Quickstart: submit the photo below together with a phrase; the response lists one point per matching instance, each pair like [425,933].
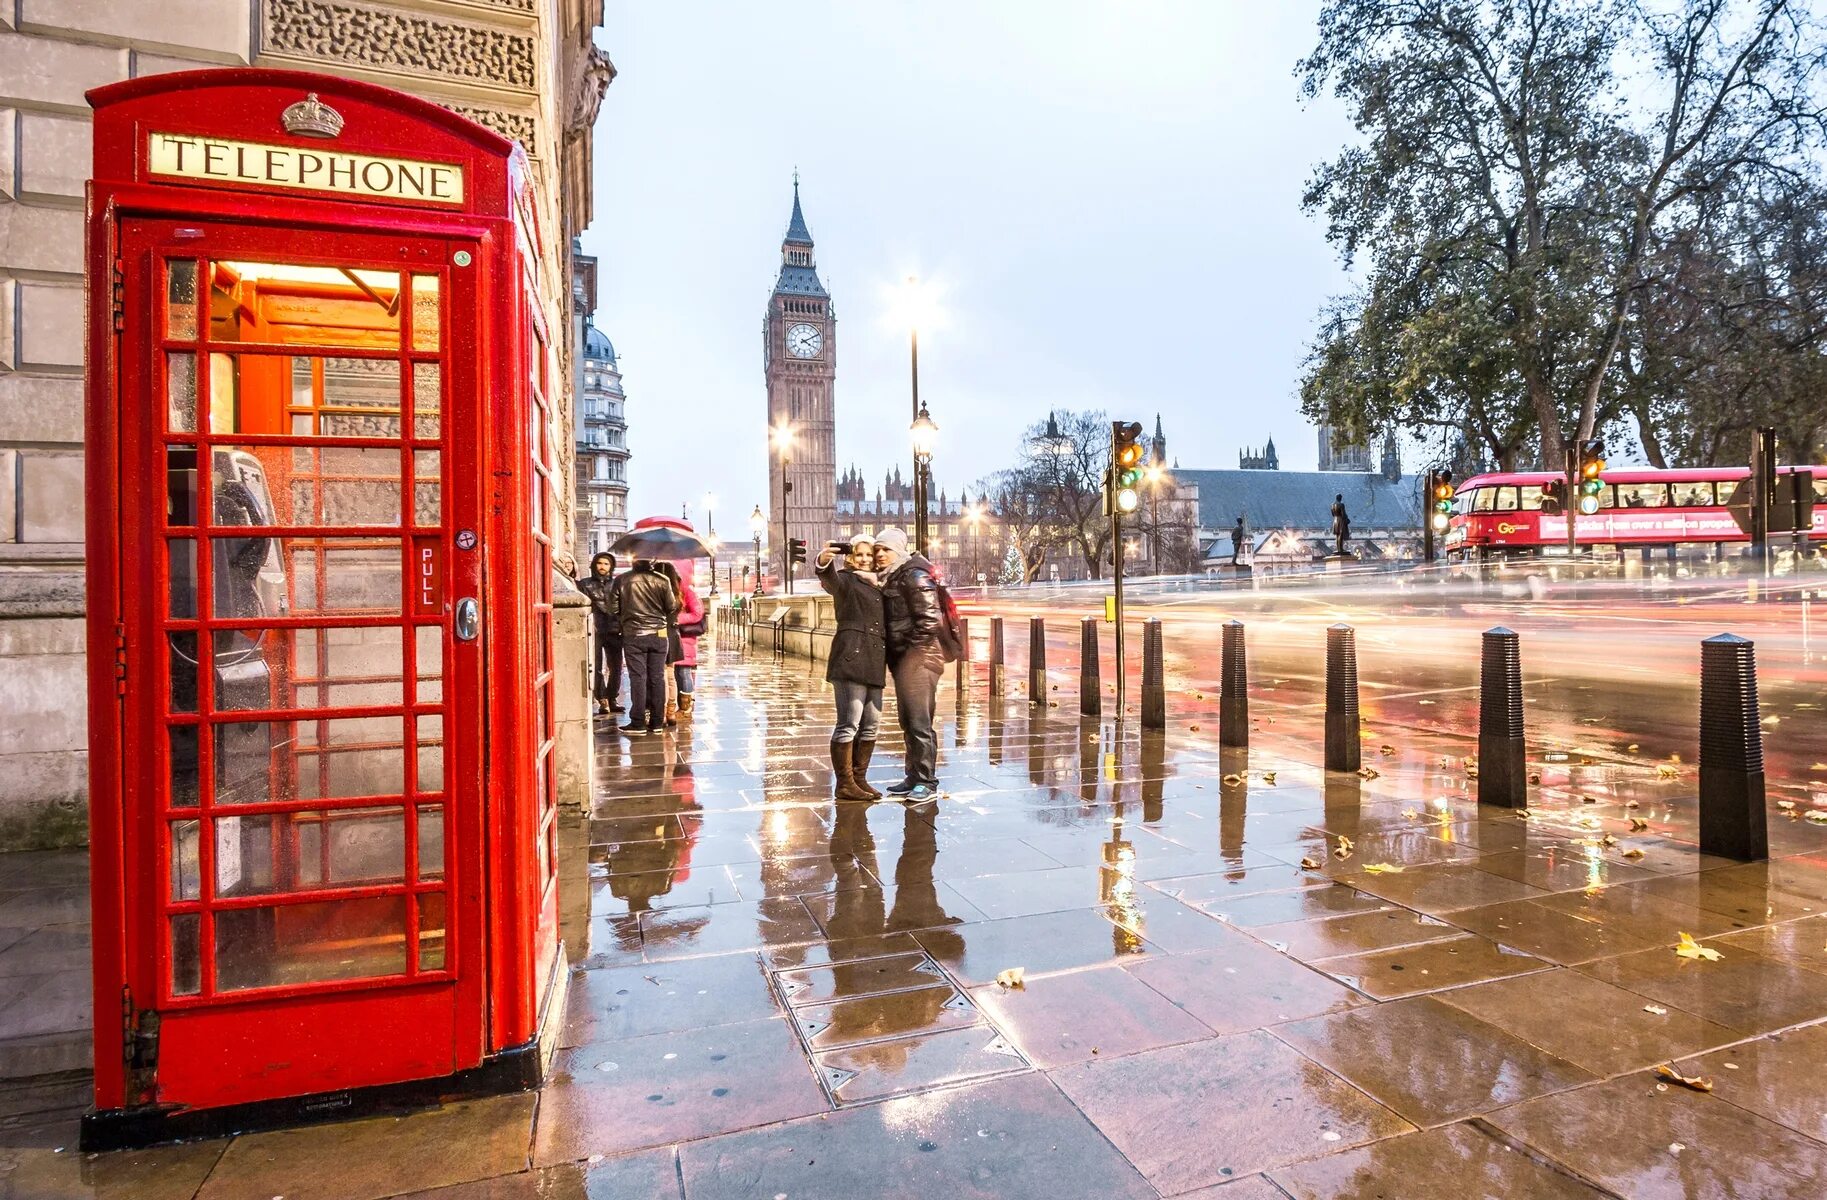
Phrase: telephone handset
[248,582]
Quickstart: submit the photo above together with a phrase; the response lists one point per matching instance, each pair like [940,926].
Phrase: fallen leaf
[1471,772]
[1689,948]
[1470,760]
[1608,841]
[1523,814]
[1386,749]
[1676,1147]
[1308,864]
[1382,869]
[1411,814]
[1198,695]
[1815,814]
[1231,780]
[1268,777]
[1011,977]
[1535,776]
[1638,824]
[1194,728]
[1631,749]
[1052,704]
[1369,772]
[1633,852]
[1655,1008]
[1632,804]
[1785,804]
[1343,849]
[1589,799]
[1664,771]
[1698,1082]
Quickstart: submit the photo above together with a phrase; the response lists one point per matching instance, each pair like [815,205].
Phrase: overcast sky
[1104,196]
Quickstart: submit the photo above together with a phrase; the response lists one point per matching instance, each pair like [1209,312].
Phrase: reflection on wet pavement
[1238,972]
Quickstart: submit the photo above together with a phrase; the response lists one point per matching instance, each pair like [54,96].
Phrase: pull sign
[428,577]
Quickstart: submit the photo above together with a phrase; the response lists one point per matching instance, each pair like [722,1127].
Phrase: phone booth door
[300,708]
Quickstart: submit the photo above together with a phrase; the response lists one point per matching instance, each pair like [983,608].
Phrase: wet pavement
[1241,978]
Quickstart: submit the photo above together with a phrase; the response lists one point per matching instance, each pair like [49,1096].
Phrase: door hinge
[120,659]
[139,1046]
[119,294]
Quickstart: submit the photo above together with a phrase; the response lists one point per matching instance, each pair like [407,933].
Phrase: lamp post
[1153,475]
[783,442]
[710,537]
[925,432]
[757,524]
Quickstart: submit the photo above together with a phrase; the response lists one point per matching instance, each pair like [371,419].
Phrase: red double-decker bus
[1692,510]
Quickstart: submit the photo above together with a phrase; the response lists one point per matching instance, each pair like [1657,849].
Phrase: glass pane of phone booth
[304,707]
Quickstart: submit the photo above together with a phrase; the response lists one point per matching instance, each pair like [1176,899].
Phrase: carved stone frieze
[593,75]
[340,31]
[518,126]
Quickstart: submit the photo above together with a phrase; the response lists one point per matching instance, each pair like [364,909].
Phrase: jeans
[685,678]
[859,711]
[608,667]
[916,693]
[646,656]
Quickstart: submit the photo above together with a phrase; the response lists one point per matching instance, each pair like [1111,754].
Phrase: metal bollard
[1733,823]
[1343,753]
[1037,661]
[964,657]
[1154,685]
[1503,775]
[995,656]
[1090,696]
[1234,690]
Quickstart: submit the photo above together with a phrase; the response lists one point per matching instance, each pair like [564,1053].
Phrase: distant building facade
[1336,454]
[602,448]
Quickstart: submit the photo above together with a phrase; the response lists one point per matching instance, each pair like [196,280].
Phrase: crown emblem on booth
[311,117]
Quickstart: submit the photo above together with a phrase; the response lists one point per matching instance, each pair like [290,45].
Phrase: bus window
[1483,499]
[1820,489]
[1506,499]
[1691,495]
[1642,495]
[1531,498]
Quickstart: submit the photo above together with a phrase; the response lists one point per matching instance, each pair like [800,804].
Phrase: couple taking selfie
[893,618]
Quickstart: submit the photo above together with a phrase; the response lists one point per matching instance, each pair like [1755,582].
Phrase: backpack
[951,625]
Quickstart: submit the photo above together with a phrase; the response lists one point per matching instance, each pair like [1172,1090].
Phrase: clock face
[804,341]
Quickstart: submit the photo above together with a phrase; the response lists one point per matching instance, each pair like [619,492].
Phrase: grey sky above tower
[1105,198]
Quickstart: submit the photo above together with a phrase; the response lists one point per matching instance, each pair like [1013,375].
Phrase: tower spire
[796,226]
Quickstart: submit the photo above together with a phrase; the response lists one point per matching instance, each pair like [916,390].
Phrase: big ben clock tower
[799,355]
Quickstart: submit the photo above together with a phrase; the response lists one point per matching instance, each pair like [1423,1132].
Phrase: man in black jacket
[916,658]
[608,630]
[645,604]
[857,668]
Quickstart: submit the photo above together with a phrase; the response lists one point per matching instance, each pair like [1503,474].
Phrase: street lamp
[925,433]
[783,445]
[1153,476]
[757,525]
[710,537]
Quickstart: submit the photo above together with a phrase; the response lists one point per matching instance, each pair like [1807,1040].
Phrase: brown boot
[847,788]
[860,754]
[685,703]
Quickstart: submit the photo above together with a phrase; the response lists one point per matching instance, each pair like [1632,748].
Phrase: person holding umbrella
[645,605]
[596,585]
[858,666]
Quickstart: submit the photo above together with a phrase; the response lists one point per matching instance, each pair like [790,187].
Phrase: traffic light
[1125,475]
[1554,497]
[1591,469]
[1440,489]
[796,549]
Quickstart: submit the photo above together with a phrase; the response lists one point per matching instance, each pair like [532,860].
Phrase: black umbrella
[661,541]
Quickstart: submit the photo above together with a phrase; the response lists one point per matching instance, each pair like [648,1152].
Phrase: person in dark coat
[608,630]
[858,666]
[916,657]
[645,604]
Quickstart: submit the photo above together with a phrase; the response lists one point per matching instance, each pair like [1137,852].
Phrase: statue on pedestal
[1341,525]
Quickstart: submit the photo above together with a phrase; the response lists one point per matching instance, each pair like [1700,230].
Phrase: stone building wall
[522,67]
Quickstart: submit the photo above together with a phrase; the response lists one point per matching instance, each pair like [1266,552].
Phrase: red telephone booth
[321,513]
